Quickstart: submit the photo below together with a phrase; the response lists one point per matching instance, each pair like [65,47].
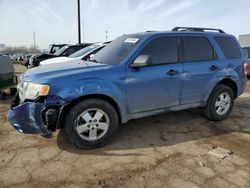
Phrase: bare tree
[22,49]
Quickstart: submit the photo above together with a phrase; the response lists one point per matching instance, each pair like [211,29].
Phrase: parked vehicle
[66,50]
[17,57]
[53,48]
[134,76]
[26,59]
[83,54]
[246,51]
[12,57]
[7,77]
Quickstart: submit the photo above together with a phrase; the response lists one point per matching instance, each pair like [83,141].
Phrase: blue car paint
[27,118]
[133,90]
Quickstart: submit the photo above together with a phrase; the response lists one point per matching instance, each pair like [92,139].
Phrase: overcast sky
[55,21]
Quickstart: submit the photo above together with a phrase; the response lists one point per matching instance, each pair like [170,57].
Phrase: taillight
[245,68]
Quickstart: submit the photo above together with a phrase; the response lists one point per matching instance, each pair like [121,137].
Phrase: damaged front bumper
[29,117]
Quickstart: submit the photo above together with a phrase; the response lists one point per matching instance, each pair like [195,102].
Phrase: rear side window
[197,49]
[229,47]
[162,50]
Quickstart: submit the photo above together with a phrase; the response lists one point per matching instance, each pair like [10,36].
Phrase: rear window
[229,47]
[197,49]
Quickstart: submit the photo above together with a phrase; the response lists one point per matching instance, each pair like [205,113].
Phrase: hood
[44,74]
[57,60]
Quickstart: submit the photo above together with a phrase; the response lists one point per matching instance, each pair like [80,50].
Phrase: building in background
[244,40]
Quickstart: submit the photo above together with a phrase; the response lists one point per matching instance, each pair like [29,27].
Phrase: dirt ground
[168,150]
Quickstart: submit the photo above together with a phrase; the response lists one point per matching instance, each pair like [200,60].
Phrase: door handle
[172,72]
[214,68]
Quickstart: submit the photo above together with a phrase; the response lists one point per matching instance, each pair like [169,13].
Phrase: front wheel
[220,103]
[91,123]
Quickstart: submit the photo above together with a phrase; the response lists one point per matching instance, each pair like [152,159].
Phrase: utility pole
[34,38]
[79,22]
[83,34]
[2,46]
[106,32]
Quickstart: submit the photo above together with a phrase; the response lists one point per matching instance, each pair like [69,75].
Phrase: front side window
[71,50]
[197,49]
[229,47]
[61,51]
[54,49]
[84,51]
[162,50]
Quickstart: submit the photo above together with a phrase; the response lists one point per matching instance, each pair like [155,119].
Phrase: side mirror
[142,61]
[91,55]
[87,58]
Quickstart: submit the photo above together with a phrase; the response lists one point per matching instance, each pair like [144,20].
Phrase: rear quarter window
[229,47]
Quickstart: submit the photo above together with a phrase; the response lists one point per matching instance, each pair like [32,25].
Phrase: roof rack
[197,29]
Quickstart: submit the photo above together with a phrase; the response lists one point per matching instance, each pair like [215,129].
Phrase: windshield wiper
[95,61]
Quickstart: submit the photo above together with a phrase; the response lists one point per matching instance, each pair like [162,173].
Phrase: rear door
[199,61]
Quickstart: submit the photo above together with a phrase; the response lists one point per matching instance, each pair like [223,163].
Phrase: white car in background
[83,54]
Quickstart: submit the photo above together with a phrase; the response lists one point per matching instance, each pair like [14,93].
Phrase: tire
[213,111]
[87,111]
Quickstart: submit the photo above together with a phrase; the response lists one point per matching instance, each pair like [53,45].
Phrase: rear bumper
[27,118]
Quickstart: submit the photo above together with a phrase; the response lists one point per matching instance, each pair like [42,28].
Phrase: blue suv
[136,75]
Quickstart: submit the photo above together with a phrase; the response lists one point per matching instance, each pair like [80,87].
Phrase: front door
[157,86]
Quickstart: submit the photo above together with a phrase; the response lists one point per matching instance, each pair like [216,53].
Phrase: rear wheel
[91,123]
[220,103]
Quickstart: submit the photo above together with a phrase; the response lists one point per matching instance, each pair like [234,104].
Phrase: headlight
[32,91]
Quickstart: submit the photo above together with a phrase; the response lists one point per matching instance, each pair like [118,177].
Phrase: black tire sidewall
[83,106]
[212,110]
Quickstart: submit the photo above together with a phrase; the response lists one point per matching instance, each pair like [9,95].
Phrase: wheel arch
[230,83]
[106,98]
[225,81]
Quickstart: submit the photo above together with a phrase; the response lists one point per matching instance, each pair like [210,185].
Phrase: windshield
[59,52]
[117,50]
[83,51]
[247,52]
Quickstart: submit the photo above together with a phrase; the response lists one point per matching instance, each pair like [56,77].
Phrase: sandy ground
[168,150]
